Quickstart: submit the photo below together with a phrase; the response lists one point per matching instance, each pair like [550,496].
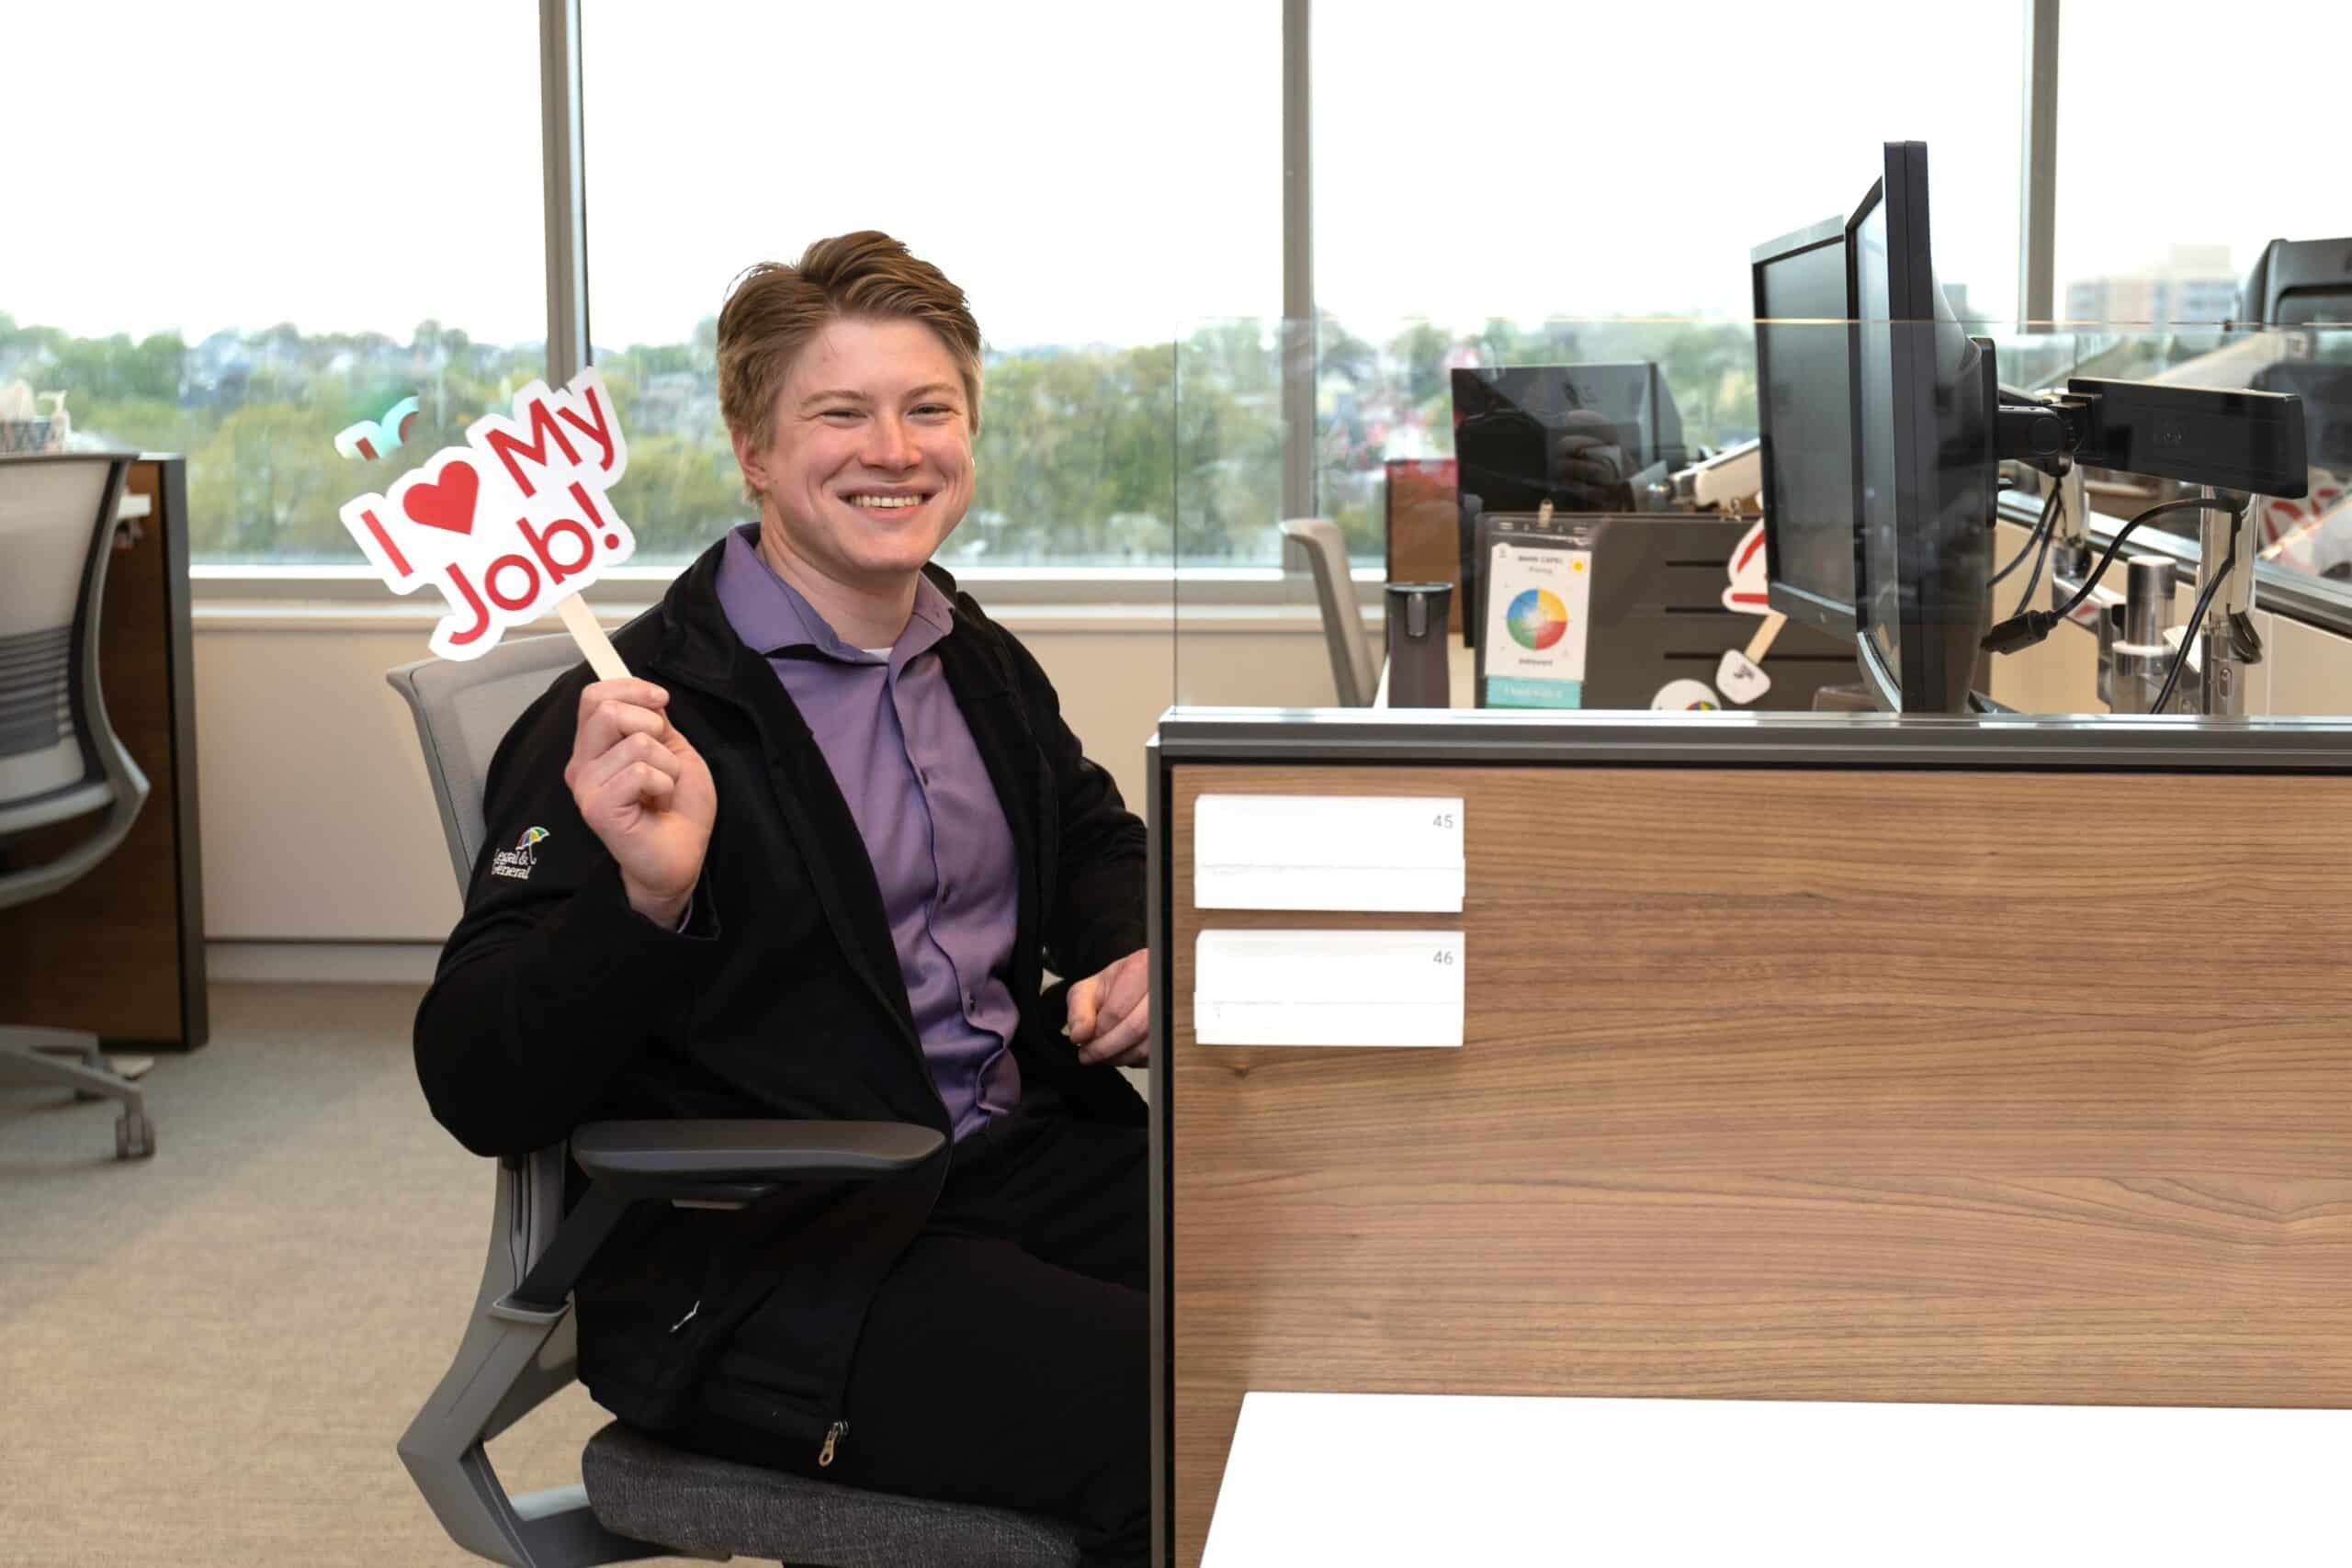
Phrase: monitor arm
[2226,442]
[2227,439]
[2044,430]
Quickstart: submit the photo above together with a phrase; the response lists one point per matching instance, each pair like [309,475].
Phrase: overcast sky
[1107,172]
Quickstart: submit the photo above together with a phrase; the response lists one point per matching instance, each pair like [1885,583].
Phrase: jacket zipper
[839,1428]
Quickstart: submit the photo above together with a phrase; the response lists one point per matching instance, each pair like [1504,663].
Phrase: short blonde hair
[773,310]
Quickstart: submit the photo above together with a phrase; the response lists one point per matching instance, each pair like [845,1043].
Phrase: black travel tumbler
[1417,654]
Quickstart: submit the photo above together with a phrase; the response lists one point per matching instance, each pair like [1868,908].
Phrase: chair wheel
[134,1135]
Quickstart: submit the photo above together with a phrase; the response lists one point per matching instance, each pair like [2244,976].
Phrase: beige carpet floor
[206,1357]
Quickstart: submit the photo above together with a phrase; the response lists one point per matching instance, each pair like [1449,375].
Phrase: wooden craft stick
[581,622]
[1761,643]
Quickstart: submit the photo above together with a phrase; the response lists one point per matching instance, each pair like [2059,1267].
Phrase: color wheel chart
[1537,619]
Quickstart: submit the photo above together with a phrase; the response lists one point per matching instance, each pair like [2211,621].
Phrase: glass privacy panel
[1902,533]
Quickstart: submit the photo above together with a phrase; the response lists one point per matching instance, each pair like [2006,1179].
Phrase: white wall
[318,823]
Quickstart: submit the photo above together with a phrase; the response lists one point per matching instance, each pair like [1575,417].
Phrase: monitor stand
[1855,698]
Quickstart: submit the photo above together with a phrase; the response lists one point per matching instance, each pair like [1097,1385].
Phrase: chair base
[29,1059]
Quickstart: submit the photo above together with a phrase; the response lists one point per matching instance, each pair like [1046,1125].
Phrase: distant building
[2195,284]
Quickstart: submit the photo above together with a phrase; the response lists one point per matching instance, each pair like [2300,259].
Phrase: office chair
[2298,283]
[60,758]
[639,1497]
[1354,671]
[2307,283]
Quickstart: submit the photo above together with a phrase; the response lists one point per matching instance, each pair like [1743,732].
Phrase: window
[2163,213]
[243,251]
[1104,180]
[1532,182]
[2161,210]
[1100,179]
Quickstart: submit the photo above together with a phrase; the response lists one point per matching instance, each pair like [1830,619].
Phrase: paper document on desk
[1401,854]
[1328,988]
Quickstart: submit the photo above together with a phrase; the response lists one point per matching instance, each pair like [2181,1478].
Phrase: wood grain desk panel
[120,952]
[1749,1108]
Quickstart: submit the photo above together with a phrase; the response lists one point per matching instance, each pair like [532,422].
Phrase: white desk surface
[1375,1479]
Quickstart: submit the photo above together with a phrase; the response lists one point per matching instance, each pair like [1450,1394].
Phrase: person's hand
[1110,1013]
[1591,471]
[644,792]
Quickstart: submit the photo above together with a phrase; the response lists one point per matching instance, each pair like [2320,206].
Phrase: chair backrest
[59,757]
[463,710]
[512,1358]
[1353,671]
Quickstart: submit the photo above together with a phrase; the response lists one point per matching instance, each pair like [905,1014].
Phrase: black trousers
[1003,1360]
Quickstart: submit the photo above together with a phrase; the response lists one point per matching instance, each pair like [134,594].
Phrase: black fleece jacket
[556,1004]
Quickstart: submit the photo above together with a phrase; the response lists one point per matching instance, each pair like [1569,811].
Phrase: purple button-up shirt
[899,749]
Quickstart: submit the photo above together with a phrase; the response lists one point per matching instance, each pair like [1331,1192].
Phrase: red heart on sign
[449,504]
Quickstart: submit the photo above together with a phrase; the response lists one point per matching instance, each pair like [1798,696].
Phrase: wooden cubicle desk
[120,952]
[1812,1061]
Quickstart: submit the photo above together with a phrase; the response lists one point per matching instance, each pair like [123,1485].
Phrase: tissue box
[28,436]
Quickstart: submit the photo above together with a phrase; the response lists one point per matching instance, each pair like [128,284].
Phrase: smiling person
[814,860]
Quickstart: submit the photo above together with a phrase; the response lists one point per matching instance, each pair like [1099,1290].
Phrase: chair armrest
[685,1158]
[732,1162]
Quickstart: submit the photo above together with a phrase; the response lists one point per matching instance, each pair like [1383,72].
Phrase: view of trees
[1088,455]
[256,414]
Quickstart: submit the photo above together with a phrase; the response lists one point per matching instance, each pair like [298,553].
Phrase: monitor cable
[2045,530]
[2027,627]
[2196,615]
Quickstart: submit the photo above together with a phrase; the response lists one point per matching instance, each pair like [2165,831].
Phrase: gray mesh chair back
[1354,670]
[462,711]
[60,758]
[513,1358]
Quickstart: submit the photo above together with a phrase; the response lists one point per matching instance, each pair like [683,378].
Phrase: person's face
[868,464]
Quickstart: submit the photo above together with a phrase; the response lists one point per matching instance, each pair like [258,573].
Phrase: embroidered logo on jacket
[518,861]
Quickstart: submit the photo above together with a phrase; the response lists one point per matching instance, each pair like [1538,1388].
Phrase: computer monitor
[1507,423]
[1500,408]
[1924,395]
[1805,417]
[2299,283]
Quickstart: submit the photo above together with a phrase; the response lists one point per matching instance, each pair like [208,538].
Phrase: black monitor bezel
[1842,620]
[1911,327]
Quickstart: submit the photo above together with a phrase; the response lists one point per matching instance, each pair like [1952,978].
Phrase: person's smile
[893,499]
